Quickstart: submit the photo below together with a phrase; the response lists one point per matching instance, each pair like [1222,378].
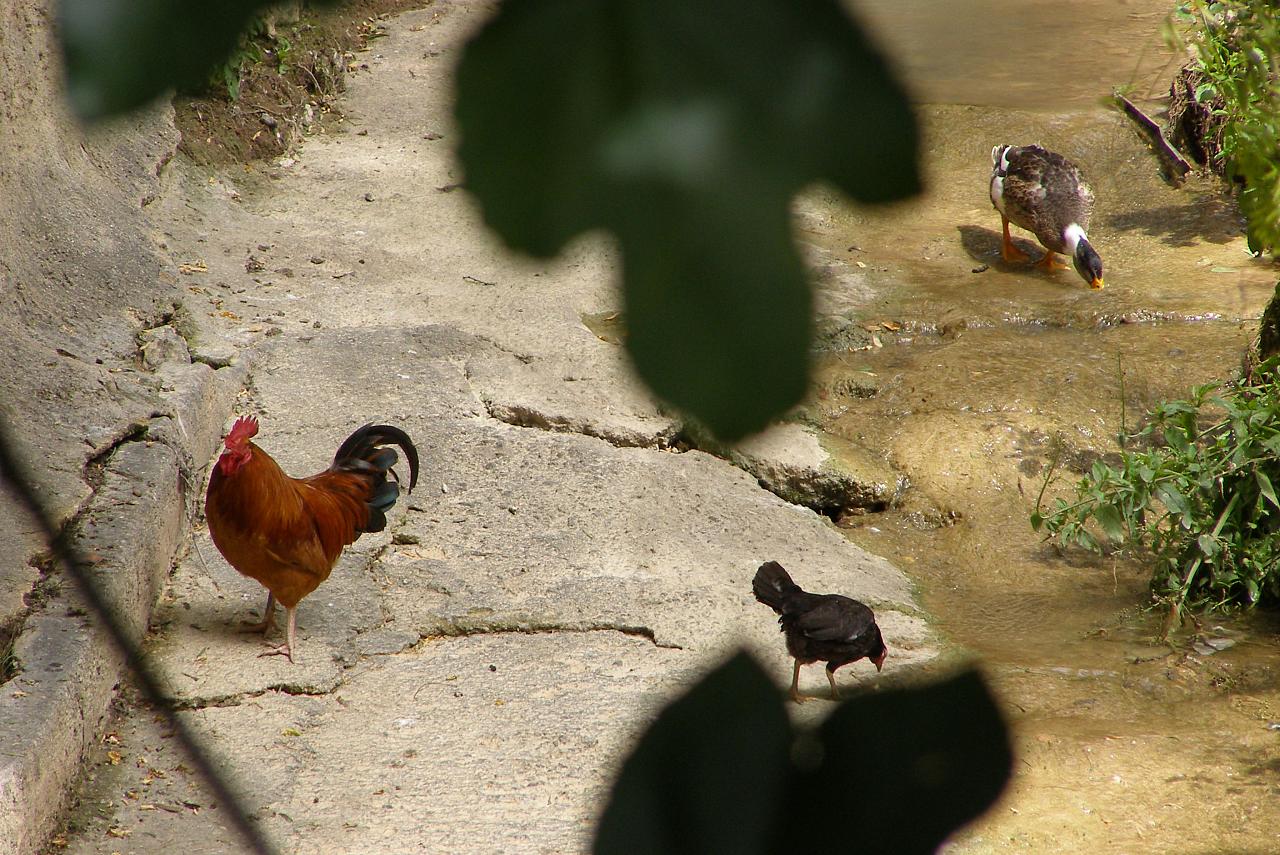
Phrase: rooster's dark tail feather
[361,451]
[364,453]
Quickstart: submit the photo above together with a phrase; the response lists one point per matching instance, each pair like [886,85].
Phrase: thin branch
[1174,163]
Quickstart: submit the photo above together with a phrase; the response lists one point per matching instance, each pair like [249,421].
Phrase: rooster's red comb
[242,431]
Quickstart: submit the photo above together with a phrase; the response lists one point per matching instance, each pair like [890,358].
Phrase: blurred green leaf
[685,129]
[903,769]
[721,772]
[1172,499]
[718,309]
[121,54]
[708,776]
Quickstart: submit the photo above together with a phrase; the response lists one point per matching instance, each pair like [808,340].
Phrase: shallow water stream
[960,369]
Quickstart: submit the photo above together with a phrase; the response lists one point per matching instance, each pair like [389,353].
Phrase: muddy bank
[283,81]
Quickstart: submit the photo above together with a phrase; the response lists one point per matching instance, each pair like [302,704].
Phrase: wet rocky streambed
[965,373]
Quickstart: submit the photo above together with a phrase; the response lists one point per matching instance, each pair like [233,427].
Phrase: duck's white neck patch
[1000,157]
[1071,236]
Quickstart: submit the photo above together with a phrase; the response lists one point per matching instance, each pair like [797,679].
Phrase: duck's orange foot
[1051,262]
[1012,254]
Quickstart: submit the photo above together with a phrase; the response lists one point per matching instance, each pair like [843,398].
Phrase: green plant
[1198,492]
[256,43]
[230,72]
[1237,45]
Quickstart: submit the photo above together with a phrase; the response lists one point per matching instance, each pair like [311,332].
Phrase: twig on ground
[1176,166]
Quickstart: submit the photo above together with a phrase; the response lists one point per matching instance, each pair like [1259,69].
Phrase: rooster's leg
[285,649]
[831,678]
[795,684]
[268,618]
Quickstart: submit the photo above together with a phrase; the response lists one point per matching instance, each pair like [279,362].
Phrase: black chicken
[819,627]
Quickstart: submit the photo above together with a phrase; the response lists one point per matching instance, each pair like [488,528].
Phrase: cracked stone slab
[162,344]
[510,529]
[628,538]
[485,744]
[207,340]
[208,660]
[818,471]
[196,398]
[324,381]
[567,399]
[600,579]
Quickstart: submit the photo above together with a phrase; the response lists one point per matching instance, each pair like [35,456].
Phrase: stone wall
[81,273]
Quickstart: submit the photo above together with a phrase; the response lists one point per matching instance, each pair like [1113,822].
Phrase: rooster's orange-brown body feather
[287,533]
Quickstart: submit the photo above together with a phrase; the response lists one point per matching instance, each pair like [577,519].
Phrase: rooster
[819,627]
[287,533]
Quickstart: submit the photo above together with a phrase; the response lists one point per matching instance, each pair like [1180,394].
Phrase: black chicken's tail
[364,453]
[772,585]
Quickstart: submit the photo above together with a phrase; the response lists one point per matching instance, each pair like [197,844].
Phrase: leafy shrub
[1237,45]
[258,42]
[1198,493]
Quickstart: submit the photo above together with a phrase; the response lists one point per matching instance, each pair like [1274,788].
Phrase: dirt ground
[287,78]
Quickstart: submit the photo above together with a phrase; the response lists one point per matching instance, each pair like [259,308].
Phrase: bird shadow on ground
[1211,217]
[1266,773]
[983,246]
[229,620]
[224,617]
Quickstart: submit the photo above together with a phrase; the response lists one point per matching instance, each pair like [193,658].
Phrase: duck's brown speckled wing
[1044,193]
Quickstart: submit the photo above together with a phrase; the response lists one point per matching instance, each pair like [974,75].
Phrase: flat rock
[798,464]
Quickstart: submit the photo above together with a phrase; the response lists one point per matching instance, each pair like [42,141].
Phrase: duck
[1044,193]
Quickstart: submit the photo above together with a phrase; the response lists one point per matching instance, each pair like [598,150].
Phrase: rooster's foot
[278,650]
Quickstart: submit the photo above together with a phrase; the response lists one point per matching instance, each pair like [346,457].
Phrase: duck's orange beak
[1096,284]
